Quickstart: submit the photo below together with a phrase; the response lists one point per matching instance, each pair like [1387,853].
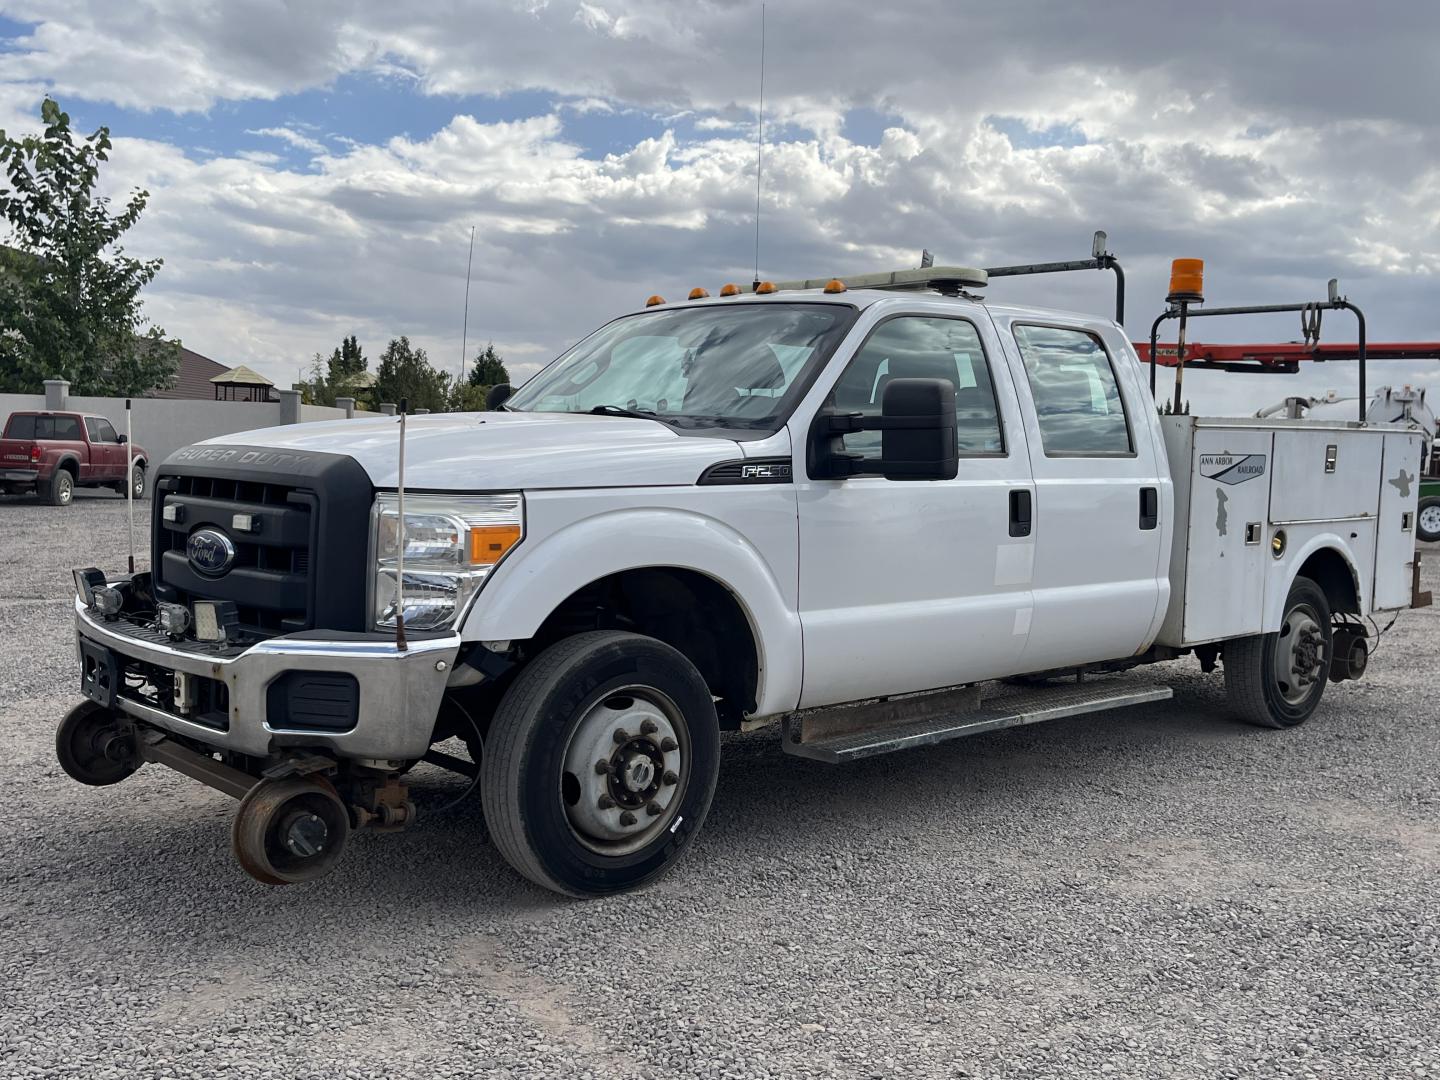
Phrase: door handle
[1021,513]
[1149,508]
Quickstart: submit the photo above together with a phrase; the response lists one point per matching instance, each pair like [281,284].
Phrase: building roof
[240,375]
[192,377]
[361,380]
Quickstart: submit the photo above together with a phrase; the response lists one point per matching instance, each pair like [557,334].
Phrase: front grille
[303,505]
[270,578]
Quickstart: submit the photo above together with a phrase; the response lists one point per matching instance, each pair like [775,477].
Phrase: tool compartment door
[1324,475]
[1228,541]
[1395,544]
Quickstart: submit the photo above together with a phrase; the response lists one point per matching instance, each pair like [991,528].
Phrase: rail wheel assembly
[94,746]
[290,830]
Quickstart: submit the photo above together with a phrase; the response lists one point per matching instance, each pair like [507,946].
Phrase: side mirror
[122,438]
[498,395]
[918,438]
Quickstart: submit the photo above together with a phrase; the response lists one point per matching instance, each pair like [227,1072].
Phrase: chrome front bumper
[400,692]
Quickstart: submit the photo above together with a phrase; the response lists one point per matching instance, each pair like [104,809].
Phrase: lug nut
[627,818]
[652,808]
[602,767]
[621,736]
[605,802]
[671,779]
[647,727]
[667,744]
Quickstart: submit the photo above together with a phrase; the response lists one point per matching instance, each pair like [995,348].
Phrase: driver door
[911,585]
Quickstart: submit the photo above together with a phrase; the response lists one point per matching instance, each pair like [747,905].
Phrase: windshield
[730,365]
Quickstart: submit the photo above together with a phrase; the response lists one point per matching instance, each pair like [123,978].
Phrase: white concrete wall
[164,426]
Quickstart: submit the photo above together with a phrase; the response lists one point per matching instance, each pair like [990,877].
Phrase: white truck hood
[500,451]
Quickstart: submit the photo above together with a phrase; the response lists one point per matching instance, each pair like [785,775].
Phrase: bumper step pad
[849,733]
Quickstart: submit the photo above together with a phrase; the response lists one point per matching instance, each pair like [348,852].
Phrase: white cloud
[289,135]
[1202,137]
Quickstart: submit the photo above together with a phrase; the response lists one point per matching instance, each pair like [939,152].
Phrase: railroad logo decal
[1232,468]
[210,551]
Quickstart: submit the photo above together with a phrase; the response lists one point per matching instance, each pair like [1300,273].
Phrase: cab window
[923,347]
[100,430]
[1077,398]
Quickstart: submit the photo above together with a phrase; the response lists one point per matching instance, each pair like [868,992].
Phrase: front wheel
[1276,680]
[1429,519]
[600,763]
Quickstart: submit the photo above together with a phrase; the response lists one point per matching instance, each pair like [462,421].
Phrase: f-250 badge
[1232,468]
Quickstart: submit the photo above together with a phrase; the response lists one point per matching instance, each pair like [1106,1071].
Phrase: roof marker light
[834,285]
[698,293]
[765,288]
[730,290]
[654,300]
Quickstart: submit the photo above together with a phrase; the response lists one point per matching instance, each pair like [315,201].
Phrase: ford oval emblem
[210,551]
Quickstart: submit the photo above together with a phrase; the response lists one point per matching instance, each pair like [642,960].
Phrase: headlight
[452,542]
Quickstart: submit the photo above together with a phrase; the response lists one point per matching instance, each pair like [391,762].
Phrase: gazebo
[241,384]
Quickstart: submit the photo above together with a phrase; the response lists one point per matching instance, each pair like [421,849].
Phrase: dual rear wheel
[1276,680]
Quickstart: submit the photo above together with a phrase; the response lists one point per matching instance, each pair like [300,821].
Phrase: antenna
[759,148]
[400,643]
[130,484]
[465,326]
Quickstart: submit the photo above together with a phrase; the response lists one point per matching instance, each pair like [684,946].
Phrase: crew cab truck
[884,512]
[53,453]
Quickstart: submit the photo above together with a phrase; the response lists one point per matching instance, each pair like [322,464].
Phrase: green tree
[488,369]
[346,362]
[69,295]
[317,390]
[405,374]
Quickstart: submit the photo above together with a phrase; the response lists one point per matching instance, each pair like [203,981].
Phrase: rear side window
[58,427]
[1077,399]
[20,427]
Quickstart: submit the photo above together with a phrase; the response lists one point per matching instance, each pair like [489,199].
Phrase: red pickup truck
[53,453]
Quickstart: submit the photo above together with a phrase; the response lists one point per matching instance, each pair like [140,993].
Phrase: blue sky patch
[1024,137]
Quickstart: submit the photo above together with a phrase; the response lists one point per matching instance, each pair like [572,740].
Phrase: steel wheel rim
[1301,658]
[620,793]
[1430,518]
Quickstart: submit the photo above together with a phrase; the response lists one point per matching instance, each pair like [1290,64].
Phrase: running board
[849,733]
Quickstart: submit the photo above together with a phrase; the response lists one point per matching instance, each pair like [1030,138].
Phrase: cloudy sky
[315,168]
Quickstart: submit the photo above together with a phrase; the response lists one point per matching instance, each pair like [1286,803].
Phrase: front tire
[1428,519]
[600,763]
[1276,680]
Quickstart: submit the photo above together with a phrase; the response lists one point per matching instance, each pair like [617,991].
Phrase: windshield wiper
[620,410]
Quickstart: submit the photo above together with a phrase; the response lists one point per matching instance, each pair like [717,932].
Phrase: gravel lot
[1156,892]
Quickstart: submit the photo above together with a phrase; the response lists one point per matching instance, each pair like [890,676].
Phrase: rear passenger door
[1097,574]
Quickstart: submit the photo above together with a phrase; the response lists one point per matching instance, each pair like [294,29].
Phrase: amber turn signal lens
[765,287]
[489,542]
[654,300]
[730,290]
[834,285]
[1187,279]
[698,293]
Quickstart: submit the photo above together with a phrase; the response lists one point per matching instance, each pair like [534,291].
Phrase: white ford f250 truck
[886,514]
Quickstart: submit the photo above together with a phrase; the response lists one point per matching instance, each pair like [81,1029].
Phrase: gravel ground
[1155,892]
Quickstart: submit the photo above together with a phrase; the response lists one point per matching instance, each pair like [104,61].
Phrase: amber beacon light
[1187,281]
